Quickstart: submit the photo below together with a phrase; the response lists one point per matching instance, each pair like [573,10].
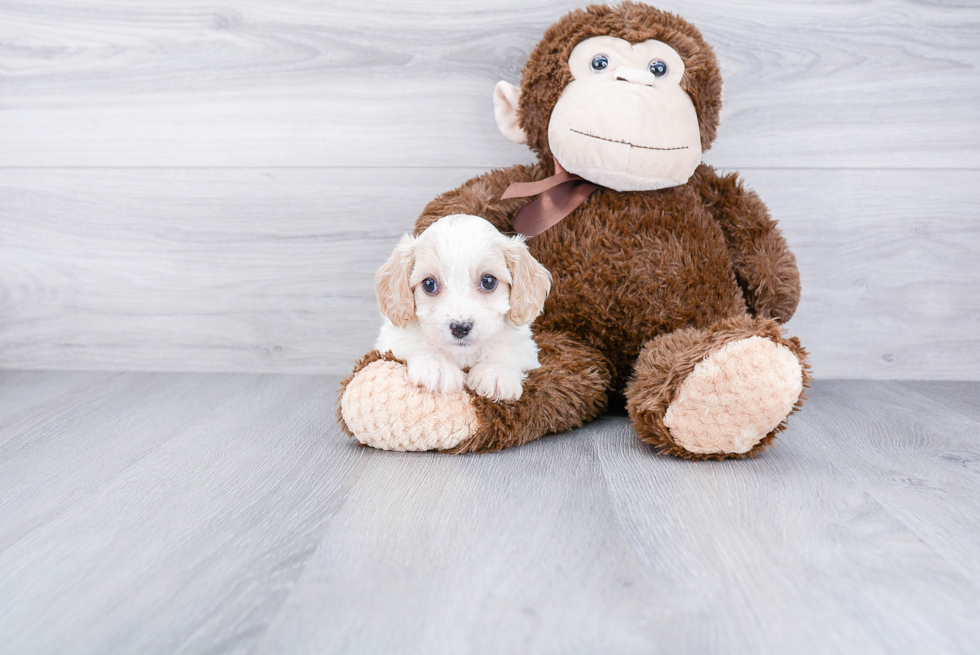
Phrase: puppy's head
[462,280]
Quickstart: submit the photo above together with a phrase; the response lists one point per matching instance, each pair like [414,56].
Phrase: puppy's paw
[435,374]
[495,382]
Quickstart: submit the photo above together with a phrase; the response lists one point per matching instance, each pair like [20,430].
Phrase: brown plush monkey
[670,281]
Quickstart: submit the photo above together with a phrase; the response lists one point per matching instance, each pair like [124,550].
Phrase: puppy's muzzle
[460,330]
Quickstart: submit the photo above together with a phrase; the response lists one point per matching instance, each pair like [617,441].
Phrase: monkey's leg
[720,392]
[380,407]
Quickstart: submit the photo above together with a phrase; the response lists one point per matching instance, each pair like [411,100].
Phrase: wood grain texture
[160,513]
[201,513]
[291,83]
[151,259]
[927,462]
[819,546]
[849,577]
[962,398]
[271,270]
[458,547]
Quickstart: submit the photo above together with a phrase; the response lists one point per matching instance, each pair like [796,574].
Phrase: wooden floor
[147,513]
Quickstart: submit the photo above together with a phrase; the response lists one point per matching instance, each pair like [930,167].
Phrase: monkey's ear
[505,98]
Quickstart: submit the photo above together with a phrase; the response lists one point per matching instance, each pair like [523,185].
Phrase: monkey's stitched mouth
[625,143]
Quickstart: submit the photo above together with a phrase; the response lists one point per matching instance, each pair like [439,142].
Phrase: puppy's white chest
[465,357]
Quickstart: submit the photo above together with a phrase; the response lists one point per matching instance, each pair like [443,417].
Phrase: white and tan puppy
[462,295]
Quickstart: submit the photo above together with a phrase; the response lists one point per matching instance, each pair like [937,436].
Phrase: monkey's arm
[765,268]
[480,196]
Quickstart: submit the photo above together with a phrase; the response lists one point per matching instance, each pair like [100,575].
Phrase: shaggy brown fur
[673,274]
[627,267]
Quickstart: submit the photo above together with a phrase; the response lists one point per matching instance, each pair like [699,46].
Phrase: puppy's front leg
[435,373]
[497,379]
[500,375]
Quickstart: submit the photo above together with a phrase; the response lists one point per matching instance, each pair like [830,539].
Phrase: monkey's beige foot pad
[385,410]
[735,396]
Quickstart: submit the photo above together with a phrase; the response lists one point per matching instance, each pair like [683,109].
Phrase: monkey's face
[624,121]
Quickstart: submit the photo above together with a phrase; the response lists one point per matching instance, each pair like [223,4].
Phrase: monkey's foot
[735,397]
[718,392]
[383,409]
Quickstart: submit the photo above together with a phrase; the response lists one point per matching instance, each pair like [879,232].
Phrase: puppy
[462,295]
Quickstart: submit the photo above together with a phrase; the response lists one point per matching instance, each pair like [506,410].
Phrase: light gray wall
[190,185]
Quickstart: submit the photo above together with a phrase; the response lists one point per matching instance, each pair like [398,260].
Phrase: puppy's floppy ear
[395,296]
[531,282]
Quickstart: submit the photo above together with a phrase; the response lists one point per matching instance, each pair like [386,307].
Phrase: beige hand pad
[385,410]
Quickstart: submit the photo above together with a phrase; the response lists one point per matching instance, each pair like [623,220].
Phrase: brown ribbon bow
[557,197]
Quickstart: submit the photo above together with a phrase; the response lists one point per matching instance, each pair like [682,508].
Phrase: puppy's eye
[658,68]
[430,286]
[488,283]
[600,63]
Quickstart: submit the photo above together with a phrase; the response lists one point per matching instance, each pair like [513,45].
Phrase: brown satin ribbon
[557,197]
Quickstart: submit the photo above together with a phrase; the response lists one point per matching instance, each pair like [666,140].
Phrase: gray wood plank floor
[161,512]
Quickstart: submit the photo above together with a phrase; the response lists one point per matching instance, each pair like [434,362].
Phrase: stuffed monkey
[670,281]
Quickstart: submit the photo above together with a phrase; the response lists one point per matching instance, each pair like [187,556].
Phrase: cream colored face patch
[624,121]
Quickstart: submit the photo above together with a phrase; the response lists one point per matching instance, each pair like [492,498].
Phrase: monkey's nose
[460,330]
[634,76]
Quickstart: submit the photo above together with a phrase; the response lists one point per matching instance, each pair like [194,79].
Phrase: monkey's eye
[658,68]
[430,286]
[600,63]
[488,282]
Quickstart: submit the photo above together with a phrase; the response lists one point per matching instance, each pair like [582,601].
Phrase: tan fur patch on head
[735,397]
[531,282]
[391,284]
[384,410]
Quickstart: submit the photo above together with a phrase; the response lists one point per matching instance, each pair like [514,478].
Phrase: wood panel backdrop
[210,186]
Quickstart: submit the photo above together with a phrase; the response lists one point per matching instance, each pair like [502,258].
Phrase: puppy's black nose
[460,330]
